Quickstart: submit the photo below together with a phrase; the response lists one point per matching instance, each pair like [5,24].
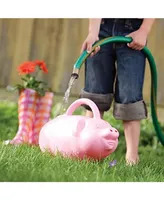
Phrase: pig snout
[110,134]
[110,137]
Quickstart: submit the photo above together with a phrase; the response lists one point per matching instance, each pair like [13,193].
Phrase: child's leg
[132,134]
[129,104]
[100,74]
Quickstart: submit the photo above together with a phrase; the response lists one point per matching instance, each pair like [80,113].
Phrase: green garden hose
[145,50]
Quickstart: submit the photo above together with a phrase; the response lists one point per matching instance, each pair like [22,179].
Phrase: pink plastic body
[79,136]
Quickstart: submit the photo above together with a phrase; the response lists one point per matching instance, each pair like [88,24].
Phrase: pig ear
[79,127]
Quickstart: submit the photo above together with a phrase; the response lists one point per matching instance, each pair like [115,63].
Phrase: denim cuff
[103,101]
[130,112]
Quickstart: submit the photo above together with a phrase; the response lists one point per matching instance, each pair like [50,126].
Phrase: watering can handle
[84,101]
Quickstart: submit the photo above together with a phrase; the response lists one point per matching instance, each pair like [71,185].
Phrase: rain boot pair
[33,113]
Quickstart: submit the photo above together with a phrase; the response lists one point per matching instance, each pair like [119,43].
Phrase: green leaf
[32,78]
[26,84]
[24,79]
[40,91]
[42,82]
[18,87]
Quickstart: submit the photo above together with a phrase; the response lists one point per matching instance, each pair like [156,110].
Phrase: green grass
[28,164]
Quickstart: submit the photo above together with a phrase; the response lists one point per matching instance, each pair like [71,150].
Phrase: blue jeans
[117,71]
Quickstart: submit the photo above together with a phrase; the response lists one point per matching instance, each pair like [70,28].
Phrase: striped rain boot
[42,116]
[26,115]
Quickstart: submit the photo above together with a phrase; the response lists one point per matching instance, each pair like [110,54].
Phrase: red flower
[26,68]
[41,65]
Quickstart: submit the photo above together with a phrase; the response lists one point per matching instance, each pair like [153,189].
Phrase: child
[100,75]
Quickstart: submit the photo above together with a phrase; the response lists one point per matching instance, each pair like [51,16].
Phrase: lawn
[28,164]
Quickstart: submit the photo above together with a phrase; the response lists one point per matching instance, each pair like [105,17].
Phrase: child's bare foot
[132,160]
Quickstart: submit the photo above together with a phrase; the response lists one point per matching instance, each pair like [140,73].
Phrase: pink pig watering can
[79,136]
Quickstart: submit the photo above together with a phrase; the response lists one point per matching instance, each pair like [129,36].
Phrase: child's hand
[87,45]
[139,39]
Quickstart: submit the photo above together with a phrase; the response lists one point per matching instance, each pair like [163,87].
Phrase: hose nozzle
[75,73]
